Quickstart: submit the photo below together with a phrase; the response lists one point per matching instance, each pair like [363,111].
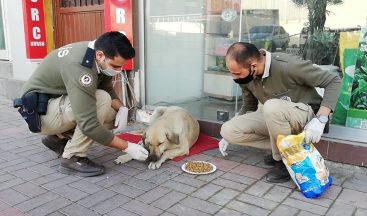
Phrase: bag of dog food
[305,165]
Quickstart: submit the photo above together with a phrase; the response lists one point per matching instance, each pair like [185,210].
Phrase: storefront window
[187,40]
[3,51]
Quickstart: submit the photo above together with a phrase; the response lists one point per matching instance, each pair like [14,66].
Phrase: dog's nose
[152,157]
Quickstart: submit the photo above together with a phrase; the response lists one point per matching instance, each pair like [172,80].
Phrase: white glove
[136,151]
[121,118]
[313,131]
[223,147]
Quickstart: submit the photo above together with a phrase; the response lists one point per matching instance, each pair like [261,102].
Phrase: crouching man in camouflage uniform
[78,80]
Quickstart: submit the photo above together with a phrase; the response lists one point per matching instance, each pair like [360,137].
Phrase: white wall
[22,69]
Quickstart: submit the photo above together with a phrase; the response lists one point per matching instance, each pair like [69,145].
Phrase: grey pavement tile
[257,201]
[246,208]
[340,209]
[126,190]
[162,177]
[167,214]
[210,176]
[306,213]
[19,166]
[138,165]
[110,204]
[14,162]
[319,201]
[42,169]
[356,184]
[200,205]
[229,184]
[228,212]
[70,193]
[140,184]
[282,210]
[224,165]
[177,186]
[30,189]
[48,178]
[332,192]
[189,181]
[5,155]
[250,171]
[12,197]
[120,212]
[277,193]
[36,201]
[259,188]
[6,177]
[149,174]
[127,170]
[10,183]
[49,207]
[254,159]
[96,198]
[153,194]
[180,209]
[316,209]
[26,174]
[109,173]
[60,182]
[354,198]
[224,196]
[199,157]
[141,208]
[57,213]
[11,212]
[207,191]
[86,186]
[168,200]
[113,180]
[361,212]
[78,210]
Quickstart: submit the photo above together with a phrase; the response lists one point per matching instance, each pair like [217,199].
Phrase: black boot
[80,166]
[269,161]
[54,143]
[278,174]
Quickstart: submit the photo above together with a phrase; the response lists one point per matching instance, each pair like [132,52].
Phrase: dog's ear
[173,137]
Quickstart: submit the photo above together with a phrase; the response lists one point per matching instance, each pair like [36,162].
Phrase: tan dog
[171,133]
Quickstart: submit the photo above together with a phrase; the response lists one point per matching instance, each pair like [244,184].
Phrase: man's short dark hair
[113,44]
[241,52]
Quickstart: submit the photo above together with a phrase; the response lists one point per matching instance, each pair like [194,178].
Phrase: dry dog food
[199,167]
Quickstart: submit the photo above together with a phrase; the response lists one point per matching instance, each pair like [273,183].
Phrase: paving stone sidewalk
[31,185]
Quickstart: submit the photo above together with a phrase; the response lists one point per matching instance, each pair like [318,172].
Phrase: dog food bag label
[305,165]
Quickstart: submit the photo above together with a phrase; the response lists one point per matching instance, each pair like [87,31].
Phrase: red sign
[118,17]
[34,29]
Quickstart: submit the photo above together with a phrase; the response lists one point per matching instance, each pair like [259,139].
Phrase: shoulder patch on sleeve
[85,80]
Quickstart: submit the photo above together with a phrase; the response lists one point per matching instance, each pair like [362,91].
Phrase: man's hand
[136,151]
[223,147]
[313,131]
[121,118]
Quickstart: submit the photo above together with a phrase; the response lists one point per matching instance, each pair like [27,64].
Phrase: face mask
[246,79]
[108,71]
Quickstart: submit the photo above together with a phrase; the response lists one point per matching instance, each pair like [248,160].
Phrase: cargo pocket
[298,125]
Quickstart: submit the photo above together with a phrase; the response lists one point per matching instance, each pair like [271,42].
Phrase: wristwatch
[323,118]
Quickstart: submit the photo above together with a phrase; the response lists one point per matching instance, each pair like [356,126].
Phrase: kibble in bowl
[198,167]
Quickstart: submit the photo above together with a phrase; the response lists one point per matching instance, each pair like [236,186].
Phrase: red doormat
[203,143]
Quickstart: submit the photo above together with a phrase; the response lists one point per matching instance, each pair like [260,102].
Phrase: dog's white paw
[154,165]
[123,159]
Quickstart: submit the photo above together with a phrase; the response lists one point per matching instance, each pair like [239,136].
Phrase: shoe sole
[68,171]
[279,180]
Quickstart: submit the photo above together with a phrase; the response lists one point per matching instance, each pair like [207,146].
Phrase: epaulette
[88,58]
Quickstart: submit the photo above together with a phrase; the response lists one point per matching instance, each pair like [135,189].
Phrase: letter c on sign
[36,33]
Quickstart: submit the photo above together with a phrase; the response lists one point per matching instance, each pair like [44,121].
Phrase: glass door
[186,41]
